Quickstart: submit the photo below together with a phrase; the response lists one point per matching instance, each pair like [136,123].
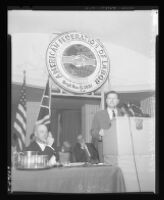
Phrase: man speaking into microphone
[102,119]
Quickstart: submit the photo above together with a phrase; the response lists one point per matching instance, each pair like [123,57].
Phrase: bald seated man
[42,143]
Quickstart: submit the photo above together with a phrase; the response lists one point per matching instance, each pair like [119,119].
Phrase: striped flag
[19,126]
[45,110]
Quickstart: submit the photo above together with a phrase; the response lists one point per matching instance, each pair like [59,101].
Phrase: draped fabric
[71,126]
[65,126]
[92,179]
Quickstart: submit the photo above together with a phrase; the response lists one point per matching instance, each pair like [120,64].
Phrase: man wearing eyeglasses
[102,119]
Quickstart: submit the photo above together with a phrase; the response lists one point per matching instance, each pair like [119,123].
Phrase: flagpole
[50,95]
[24,72]
[50,86]
[45,112]
[24,82]
[43,96]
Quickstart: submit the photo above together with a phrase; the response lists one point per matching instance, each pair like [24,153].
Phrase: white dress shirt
[110,112]
[42,146]
[52,160]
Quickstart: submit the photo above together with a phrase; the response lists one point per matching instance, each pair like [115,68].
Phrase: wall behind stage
[129,70]
[70,123]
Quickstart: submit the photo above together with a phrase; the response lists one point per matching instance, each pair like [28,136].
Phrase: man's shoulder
[32,147]
[101,113]
[89,144]
[34,143]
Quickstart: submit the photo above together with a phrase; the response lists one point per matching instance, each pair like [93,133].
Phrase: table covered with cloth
[92,179]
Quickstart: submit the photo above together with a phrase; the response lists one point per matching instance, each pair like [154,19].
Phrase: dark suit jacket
[79,154]
[35,147]
[101,121]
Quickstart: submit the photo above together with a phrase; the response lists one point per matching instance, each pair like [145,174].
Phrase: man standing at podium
[102,119]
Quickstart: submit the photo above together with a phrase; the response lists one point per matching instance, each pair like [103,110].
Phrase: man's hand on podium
[101,132]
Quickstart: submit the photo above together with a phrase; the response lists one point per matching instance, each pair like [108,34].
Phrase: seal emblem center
[77,62]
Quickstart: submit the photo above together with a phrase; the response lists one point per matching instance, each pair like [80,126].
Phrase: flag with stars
[19,126]
[45,111]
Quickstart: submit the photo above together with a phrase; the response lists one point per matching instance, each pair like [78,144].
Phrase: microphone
[126,110]
[131,110]
[137,110]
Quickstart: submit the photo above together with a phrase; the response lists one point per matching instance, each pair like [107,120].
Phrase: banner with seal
[77,63]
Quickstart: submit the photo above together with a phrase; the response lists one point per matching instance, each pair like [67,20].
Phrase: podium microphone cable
[134,154]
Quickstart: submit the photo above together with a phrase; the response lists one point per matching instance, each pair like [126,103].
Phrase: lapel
[38,146]
[107,115]
[89,149]
[118,113]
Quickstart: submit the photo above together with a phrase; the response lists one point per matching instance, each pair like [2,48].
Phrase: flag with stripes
[45,111]
[19,126]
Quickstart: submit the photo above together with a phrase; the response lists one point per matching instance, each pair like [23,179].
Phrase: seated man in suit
[84,152]
[43,142]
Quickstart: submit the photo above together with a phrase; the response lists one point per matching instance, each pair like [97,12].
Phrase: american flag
[19,126]
[45,111]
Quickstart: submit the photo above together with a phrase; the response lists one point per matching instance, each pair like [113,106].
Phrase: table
[92,179]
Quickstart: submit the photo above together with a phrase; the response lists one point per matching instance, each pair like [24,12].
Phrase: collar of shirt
[111,113]
[83,146]
[42,146]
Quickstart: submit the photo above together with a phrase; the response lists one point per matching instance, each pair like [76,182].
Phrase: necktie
[114,115]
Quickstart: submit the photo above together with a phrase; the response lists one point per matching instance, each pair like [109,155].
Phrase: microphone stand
[139,111]
[130,129]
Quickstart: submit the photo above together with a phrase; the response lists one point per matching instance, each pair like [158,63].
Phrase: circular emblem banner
[77,62]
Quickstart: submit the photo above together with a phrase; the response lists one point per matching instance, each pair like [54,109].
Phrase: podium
[130,144]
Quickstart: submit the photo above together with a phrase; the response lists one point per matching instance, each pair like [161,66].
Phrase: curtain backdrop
[70,125]
[70,122]
[66,127]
